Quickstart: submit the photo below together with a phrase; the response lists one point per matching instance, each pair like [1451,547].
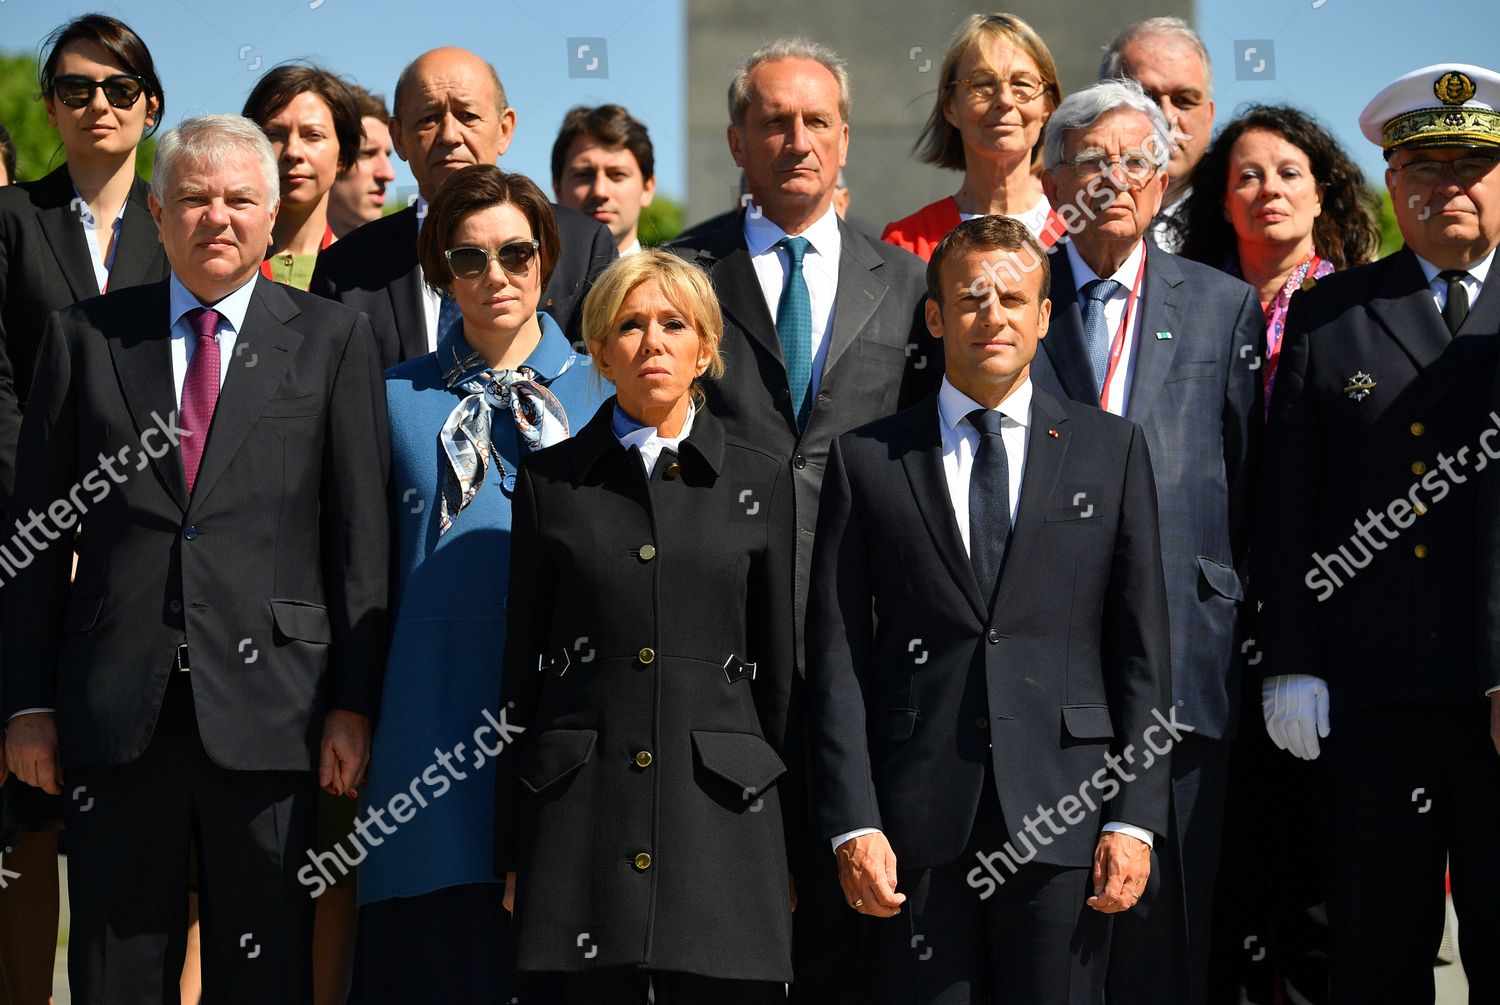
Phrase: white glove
[1295,707]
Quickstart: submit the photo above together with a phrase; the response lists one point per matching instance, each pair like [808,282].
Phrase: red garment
[920,232]
[328,238]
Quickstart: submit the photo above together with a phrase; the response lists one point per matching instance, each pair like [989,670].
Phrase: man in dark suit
[1372,626]
[224,441]
[450,112]
[823,332]
[1175,346]
[988,643]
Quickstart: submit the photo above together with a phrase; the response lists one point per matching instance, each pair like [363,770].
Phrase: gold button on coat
[643,759]
[643,861]
[647,552]
[1417,429]
[1417,468]
[1420,551]
[647,655]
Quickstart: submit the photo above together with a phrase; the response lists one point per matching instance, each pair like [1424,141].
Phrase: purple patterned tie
[200,391]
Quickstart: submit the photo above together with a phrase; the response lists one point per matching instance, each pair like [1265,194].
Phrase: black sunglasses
[120,90]
[470,262]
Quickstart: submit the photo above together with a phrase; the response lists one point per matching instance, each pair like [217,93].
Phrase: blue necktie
[448,316]
[989,502]
[794,329]
[1096,328]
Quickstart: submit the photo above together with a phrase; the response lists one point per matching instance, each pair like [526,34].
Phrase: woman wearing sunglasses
[504,381]
[81,230]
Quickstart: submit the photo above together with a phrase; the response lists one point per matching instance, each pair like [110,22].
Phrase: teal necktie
[794,329]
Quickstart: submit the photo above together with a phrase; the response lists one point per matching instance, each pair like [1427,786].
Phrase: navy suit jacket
[1196,390]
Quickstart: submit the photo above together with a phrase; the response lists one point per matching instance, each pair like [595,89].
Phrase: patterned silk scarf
[1304,276]
[466,435]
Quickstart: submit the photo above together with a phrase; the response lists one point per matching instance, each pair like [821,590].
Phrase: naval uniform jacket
[649,663]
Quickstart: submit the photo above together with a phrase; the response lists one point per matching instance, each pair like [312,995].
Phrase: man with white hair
[1177,347]
[217,656]
[1170,62]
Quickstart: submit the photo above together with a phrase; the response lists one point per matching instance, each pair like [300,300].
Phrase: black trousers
[1032,941]
[629,987]
[1405,790]
[129,829]
[827,951]
[1161,946]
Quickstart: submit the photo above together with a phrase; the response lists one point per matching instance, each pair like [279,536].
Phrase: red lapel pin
[1052,433]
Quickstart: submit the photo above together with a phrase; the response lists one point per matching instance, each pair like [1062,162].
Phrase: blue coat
[443,673]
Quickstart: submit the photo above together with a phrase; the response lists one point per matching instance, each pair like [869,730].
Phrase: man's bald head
[445,60]
[450,111]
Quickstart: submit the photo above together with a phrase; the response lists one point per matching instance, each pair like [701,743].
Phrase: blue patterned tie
[989,501]
[794,328]
[448,316]
[1096,293]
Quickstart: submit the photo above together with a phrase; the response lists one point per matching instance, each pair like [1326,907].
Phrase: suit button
[673,470]
[994,636]
[982,722]
[175,607]
[647,552]
[1420,551]
[1419,509]
[1417,429]
[643,861]
[647,655]
[191,533]
[643,759]
[799,462]
[1417,468]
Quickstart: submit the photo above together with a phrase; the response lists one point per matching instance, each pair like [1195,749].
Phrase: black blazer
[915,681]
[274,571]
[374,270]
[45,266]
[1196,390]
[1399,621]
[880,359]
[649,661]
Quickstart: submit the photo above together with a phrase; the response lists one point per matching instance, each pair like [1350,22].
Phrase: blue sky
[1326,55]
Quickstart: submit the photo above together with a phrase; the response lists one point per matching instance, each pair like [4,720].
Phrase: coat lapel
[1064,342]
[1044,460]
[248,387]
[139,246]
[142,354]
[1473,348]
[57,216]
[922,457]
[407,299]
[1159,313]
[860,292]
[1406,310]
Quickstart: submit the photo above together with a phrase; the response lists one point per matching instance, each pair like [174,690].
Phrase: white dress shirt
[960,440]
[1034,219]
[631,433]
[432,300]
[97,259]
[820,268]
[1473,282]
[1161,230]
[633,248]
[1117,390]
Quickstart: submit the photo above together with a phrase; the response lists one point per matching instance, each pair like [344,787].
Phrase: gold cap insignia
[1454,88]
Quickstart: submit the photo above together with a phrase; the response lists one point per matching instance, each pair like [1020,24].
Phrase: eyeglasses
[982,85]
[1466,169]
[120,90]
[1139,169]
[470,263]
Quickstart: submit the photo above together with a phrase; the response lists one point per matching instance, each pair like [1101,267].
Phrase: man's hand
[509,900]
[1495,720]
[791,883]
[867,872]
[1122,864]
[31,751]
[4,771]
[1295,707]
[346,753]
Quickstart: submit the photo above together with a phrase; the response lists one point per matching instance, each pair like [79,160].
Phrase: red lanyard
[1117,349]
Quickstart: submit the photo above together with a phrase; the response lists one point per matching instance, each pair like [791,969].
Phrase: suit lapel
[1153,356]
[922,457]
[1044,461]
[1064,342]
[138,242]
[859,293]
[248,387]
[1471,349]
[740,293]
[142,354]
[1405,309]
[408,304]
[58,217]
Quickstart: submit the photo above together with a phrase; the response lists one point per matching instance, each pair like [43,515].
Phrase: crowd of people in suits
[467,604]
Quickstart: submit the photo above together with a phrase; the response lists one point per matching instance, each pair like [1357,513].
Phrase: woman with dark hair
[1278,203]
[82,229]
[999,88]
[504,381]
[312,120]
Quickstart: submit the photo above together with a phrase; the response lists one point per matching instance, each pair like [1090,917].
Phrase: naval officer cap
[1443,105]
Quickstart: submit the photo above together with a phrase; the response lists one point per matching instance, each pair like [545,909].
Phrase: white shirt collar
[232,309]
[632,248]
[1480,270]
[1124,275]
[954,406]
[761,234]
[644,438]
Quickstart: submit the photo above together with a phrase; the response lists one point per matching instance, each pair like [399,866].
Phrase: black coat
[274,570]
[1405,625]
[915,680]
[374,269]
[636,612]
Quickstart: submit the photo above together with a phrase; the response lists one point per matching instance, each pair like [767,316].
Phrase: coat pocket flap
[741,758]
[307,622]
[892,723]
[554,756]
[82,614]
[1088,722]
[1224,580]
